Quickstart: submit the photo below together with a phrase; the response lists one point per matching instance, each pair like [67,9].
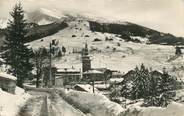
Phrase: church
[68,76]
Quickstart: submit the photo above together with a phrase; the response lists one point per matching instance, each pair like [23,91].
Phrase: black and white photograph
[91,57]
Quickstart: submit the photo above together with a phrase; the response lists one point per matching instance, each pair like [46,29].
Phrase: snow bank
[99,105]
[174,109]
[96,104]
[8,76]
[10,104]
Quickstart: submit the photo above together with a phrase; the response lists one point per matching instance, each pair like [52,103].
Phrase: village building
[116,74]
[8,82]
[97,74]
[86,88]
[67,76]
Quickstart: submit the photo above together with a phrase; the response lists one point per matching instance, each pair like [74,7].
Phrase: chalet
[116,74]
[97,74]
[93,75]
[8,82]
[66,76]
[129,76]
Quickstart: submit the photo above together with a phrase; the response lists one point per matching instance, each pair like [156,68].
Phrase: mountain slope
[113,53]
[127,30]
[43,16]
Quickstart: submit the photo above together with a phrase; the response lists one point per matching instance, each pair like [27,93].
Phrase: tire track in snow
[59,107]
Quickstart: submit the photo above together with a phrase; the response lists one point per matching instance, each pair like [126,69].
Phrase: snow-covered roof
[93,72]
[67,70]
[8,76]
[116,80]
[87,88]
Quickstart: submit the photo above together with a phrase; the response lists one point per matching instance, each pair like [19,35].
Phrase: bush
[114,49]
[86,35]
[74,36]
[96,39]
[118,44]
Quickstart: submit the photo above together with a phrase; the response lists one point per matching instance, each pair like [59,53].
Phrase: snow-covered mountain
[109,50]
[44,16]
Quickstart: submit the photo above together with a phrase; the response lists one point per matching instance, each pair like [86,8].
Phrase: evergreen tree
[44,52]
[126,90]
[167,89]
[16,54]
[154,91]
[161,90]
[59,53]
[115,92]
[63,50]
[140,85]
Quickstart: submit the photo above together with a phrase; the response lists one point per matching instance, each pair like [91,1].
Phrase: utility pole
[93,85]
[50,65]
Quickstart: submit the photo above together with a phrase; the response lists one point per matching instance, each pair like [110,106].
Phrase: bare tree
[39,61]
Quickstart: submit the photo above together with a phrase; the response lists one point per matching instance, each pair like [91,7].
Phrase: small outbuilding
[8,82]
[85,88]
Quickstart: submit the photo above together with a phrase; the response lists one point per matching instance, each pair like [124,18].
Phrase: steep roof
[87,88]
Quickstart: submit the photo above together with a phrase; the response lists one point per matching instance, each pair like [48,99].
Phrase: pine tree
[154,91]
[161,90]
[44,52]
[167,89]
[59,53]
[125,90]
[16,54]
[140,83]
[63,50]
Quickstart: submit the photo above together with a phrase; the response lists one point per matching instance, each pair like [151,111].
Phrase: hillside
[113,53]
[41,31]
[40,24]
[38,31]
[127,30]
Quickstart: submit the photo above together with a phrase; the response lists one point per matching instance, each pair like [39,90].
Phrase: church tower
[86,61]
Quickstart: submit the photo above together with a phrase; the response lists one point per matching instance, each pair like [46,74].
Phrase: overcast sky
[162,15]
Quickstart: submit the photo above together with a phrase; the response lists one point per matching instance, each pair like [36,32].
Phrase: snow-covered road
[59,107]
[46,104]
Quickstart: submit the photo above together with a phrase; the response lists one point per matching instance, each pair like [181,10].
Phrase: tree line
[155,88]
